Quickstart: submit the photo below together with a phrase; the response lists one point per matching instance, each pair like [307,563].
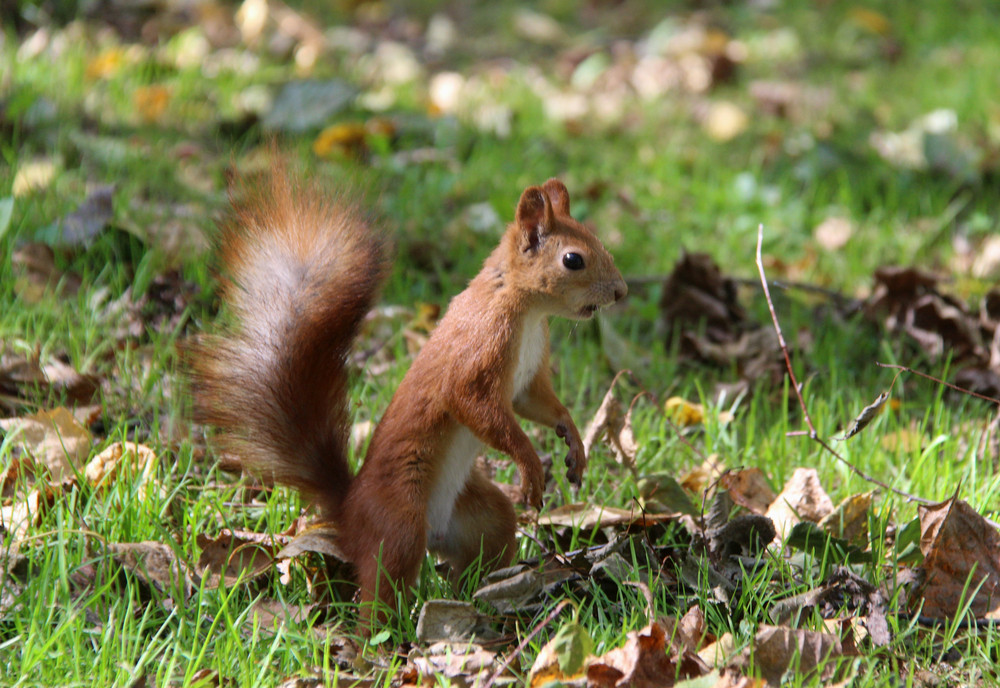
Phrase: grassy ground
[82,105]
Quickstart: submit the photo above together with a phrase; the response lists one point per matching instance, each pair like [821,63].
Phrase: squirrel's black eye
[573,261]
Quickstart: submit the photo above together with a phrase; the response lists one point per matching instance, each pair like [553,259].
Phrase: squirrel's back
[301,268]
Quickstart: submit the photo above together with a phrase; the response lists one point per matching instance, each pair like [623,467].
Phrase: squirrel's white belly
[452,475]
[529,354]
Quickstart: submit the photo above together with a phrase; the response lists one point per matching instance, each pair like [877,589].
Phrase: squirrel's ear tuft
[558,196]
[534,217]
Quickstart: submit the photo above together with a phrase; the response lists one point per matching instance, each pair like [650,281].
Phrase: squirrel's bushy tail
[301,269]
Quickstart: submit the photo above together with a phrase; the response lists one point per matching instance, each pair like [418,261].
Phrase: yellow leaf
[151,101]
[105,64]
[868,19]
[340,139]
[684,412]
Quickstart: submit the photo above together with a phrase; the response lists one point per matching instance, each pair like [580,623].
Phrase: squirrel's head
[558,259]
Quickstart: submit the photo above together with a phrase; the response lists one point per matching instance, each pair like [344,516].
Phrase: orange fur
[304,269]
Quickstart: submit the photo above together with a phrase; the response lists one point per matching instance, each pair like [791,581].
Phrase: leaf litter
[691,58]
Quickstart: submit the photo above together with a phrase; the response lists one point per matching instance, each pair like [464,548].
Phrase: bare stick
[781,338]
[524,643]
[938,380]
[813,435]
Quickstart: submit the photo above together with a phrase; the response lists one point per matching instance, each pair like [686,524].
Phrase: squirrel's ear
[534,217]
[558,195]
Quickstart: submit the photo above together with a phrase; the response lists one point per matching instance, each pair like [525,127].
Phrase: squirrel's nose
[621,289]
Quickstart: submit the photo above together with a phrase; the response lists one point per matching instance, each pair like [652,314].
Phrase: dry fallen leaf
[803,498]
[683,412]
[452,621]
[867,415]
[748,488]
[156,564]
[107,466]
[850,519]
[776,649]
[643,663]
[724,121]
[33,175]
[345,139]
[588,517]
[236,559]
[54,438]
[564,658]
[151,102]
[458,663]
[961,559]
[37,274]
[20,515]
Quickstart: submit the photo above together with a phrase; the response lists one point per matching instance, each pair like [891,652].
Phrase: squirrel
[301,270]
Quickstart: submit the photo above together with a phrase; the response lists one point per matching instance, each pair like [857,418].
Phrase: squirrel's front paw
[576,457]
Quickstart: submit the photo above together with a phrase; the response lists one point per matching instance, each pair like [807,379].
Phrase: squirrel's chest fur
[460,453]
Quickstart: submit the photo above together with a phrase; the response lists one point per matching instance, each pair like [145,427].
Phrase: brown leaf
[748,488]
[17,518]
[34,264]
[449,621]
[704,477]
[607,419]
[156,564]
[867,415]
[802,499]
[462,663]
[697,292]
[776,649]
[850,519]
[641,663]
[129,457]
[235,558]
[54,438]
[320,538]
[64,378]
[588,517]
[692,631]
[961,558]
[718,653]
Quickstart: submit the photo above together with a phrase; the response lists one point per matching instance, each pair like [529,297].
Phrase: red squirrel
[302,270]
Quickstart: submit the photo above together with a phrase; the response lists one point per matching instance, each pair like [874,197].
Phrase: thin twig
[524,643]
[938,380]
[813,435]
[781,337]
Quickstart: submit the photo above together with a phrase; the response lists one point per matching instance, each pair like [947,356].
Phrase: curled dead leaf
[643,663]
[128,457]
[867,415]
[803,498]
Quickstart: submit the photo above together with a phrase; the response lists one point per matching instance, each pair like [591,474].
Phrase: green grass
[652,183]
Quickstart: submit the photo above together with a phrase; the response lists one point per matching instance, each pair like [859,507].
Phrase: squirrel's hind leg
[387,553]
[482,524]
